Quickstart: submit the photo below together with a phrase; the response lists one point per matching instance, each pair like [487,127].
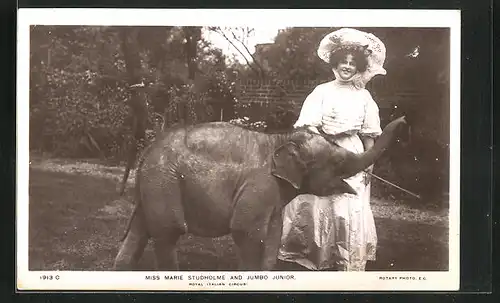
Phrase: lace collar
[355,82]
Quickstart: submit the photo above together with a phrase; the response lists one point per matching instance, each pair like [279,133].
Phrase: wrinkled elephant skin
[216,179]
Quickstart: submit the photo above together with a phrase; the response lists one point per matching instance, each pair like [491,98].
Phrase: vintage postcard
[238,150]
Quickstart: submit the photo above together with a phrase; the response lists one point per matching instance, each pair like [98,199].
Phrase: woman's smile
[347,68]
[346,73]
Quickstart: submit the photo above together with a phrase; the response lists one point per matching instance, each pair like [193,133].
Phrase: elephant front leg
[250,249]
[259,243]
[256,224]
[272,241]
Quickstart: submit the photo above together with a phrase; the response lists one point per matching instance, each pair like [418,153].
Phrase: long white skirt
[335,232]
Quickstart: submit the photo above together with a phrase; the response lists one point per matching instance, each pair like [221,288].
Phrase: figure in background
[338,232]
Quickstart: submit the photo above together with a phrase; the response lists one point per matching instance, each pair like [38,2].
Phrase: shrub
[246,123]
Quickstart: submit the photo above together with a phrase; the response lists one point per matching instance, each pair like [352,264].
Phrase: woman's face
[347,67]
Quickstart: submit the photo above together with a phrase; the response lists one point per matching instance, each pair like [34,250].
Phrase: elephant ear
[288,165]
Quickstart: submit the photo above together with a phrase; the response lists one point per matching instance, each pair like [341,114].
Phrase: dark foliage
[80,91]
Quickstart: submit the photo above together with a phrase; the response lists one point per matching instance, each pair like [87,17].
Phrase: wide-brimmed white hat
[348,37]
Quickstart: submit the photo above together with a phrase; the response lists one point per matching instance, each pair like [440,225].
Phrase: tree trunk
[137,104]
[192,36]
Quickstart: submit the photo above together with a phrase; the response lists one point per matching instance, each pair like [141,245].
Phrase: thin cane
[392,184]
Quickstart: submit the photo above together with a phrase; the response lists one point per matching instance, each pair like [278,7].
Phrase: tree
[137,103]
[194,85]
[74,91]
[238,38]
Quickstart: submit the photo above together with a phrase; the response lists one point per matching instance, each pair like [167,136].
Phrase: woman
[338,232]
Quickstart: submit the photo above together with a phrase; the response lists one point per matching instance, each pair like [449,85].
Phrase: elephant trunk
[362,161]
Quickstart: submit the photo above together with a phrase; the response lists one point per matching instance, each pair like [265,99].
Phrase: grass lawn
[77,220]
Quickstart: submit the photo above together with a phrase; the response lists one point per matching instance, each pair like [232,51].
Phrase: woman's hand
[367,177]
[367,142]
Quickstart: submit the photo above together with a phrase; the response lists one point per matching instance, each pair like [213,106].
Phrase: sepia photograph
[185,151]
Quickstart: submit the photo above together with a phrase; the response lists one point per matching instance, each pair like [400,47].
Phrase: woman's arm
[371,125]
[368,143]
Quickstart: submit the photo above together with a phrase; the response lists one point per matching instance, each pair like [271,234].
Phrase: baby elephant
[216,179]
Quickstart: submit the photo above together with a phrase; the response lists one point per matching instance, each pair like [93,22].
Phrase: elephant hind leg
[133,246]
[165,250]
[165,218]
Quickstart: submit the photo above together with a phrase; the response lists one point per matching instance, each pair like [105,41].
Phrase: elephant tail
[137,199]
[129,224]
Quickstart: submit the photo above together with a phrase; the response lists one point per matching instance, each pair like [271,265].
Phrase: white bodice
[338,107]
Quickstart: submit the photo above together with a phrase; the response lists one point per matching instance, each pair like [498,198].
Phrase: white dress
[338,231]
